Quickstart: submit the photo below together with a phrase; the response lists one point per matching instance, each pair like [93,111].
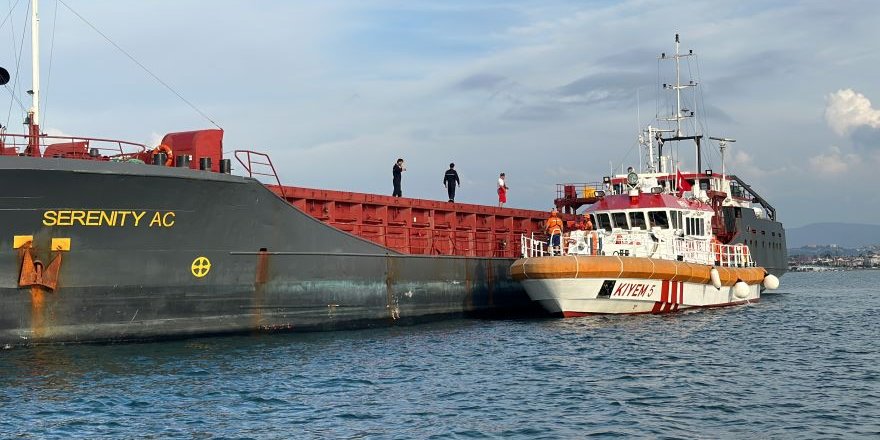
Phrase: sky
[547,91]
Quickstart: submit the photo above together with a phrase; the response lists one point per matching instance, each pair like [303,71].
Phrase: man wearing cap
[554,228]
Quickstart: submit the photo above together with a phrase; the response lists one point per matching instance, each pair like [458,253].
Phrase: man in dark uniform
[450,180]
[396,173]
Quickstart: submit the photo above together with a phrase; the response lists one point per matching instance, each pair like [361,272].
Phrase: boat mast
[722,145]
[681,113]
[33,119]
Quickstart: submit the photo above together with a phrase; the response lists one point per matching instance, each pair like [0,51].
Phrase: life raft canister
[162,148]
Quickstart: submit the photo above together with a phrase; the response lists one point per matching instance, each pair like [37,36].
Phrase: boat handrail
[14,144]
[244,157]
[644,244]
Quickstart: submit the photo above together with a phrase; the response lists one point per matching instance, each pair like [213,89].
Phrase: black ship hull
[158,252]
[764,237]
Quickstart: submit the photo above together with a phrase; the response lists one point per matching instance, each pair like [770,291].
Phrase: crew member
[450,180]
[396,176]
[502,190]
[554,228]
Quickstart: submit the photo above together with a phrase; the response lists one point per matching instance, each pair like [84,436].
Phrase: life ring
[162,148]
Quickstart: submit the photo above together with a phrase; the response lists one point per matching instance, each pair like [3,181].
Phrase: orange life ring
[162,148]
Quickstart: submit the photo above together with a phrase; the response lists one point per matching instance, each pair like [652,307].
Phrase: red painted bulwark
[198,144]
[417,226]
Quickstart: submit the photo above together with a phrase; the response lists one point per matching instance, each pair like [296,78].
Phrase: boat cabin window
[676,220]
[658,219]
[619,220]
[694,226]
[637,220]
[603,222]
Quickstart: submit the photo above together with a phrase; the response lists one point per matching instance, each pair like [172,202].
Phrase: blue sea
[802,363]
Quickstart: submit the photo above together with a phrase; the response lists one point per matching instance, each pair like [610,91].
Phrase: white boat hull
[588,296]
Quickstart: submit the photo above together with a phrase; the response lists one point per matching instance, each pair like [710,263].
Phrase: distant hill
[848,235]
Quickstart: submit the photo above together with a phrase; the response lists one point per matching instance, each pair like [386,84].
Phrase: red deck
[417,226]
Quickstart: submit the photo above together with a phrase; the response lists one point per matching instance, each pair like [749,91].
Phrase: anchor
[34,273]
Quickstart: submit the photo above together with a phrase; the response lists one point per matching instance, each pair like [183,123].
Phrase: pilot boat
[658,240]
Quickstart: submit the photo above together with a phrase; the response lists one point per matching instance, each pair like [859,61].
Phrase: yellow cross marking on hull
[200,267]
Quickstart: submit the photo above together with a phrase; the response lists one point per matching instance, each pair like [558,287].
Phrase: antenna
[722,145]
[680,114]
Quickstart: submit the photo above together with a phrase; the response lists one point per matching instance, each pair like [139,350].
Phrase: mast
[33,119]
[681,113]
[722,145]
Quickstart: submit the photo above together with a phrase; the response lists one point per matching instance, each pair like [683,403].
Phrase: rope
[145,69]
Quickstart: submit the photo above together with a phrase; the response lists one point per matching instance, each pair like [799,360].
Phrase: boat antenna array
[680,114]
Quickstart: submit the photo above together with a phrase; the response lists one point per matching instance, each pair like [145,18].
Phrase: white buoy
[715,278]
[771,282]
[741,290]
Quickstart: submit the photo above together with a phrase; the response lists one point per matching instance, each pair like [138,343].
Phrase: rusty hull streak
[261,278]
[38,312]
[490,284]
[393,310]
[469,287]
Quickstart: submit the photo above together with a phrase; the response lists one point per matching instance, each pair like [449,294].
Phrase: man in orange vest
[554,228]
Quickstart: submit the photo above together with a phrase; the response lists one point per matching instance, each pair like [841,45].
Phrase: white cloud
[847,109]
[833,162]
[740,158]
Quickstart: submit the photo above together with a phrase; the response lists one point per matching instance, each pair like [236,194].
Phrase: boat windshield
[604,221]
[659,219]
[637,220]
[619,220]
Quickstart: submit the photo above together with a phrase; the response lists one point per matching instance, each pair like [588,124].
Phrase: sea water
[801,363]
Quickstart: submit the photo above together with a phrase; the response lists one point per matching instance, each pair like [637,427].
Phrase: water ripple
[799,364]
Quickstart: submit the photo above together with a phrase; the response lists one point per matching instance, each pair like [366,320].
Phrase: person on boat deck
[396,172]
[450,180]
[502,190]
[554,228]
[583,223]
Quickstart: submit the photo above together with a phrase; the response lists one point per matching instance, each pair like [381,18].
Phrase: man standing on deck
[396,176]
[554,228]
[450,180]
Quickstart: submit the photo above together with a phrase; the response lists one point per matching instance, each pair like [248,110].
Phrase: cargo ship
[99,246]
[657,240]
[108,240]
